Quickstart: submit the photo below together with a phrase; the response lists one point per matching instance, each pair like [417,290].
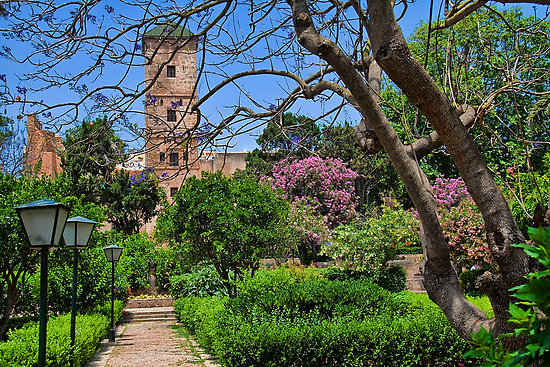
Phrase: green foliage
[276,293]
[289,133]
[105,310]
[226,222]
[392,278]
[468,281]
[526,191]
[21,348]
[307,232]
[92,150]
[137,257]
[94,274]
[202,281]
[168,265]
[133,200]
[285,136]
[11,146]
[5,134]
[472,60]
[296,317]
[17,261]
[530,314]
[370,243]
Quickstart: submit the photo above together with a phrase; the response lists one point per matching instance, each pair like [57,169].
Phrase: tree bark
[440,277]
[393,55]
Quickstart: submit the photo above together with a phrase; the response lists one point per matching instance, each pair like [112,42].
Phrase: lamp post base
[111,335]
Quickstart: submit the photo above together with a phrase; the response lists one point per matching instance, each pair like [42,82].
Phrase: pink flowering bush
[462,223]
[325,185]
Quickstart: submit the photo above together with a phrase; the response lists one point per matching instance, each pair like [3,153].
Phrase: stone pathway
[150,344]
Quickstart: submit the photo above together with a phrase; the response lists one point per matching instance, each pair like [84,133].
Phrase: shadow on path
[150,344]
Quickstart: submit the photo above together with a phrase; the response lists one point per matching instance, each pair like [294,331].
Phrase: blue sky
[266,89]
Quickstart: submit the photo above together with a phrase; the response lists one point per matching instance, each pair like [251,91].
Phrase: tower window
[171,115]
[171,71]
[173,191]
[162,156]
[174,159]
[161,101]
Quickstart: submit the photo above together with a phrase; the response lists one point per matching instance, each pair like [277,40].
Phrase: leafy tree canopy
[227,222]
[482,61]
[133,199]
[286,135]
[92,150]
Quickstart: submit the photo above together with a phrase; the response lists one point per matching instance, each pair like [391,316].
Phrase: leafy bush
[168,265]
[21,348]
[369,243]
[530,314]
[268,298]
[137,256]
[393,279]
[468,281]
[296,317]
[201,282]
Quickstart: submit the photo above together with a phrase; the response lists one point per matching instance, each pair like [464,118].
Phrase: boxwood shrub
[21,348]
[285,319]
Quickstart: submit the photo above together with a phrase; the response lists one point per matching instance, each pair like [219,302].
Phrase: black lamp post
[76,234]
[43,221]
[112,253]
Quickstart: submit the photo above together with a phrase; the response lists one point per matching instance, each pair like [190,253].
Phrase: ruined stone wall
[42,150]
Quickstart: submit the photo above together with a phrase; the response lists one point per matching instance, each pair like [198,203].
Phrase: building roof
[168,29]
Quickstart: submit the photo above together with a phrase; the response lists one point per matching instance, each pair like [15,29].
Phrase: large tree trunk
[392,54]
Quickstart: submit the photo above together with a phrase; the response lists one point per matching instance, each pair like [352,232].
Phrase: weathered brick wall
[42,149]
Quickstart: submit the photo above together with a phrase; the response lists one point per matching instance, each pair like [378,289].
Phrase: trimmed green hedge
[21,348]
[282,320]
[393,278]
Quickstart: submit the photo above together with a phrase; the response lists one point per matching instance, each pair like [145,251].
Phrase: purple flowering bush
[325,185]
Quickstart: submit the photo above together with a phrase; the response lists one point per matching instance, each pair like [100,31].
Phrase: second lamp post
[112,253]
[76,235]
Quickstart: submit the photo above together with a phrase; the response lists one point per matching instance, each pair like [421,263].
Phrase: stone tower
[171,64]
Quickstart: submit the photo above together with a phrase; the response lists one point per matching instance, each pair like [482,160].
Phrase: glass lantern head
[78,231]
[43,221]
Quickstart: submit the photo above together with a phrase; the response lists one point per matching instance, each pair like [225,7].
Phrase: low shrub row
[281,318]
[21,348]
[393,278]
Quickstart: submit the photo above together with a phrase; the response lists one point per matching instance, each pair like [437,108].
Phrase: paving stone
[150,344]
